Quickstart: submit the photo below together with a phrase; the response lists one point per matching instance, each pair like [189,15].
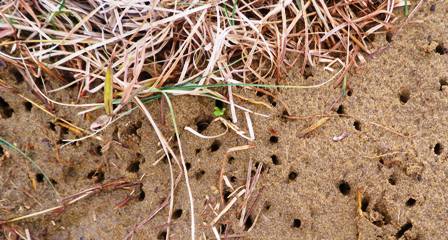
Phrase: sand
[393,156]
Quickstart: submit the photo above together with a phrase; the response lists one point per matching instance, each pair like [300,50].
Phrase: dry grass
[147,46]
[139,51]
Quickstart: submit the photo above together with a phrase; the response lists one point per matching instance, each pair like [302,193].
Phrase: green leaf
[218,112]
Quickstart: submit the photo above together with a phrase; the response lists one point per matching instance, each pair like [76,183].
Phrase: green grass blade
[406,8]
[235,6]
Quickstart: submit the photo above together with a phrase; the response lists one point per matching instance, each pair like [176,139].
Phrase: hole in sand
[69,77]
[370,38]
[272,101]
[231,160]
[39,177]
[389,36]
[199,174]
[165,158]
[443,82]
[215,146]
[364,204]
[257,164]
[411,202]
[350,92]
[407,226]
[98,150]
[96,175]
[141,195]
[39,82]
[438,148]
[357,125]
[202,124]
[52,126]
[252,173]
[133,167]
[259,94]
[219,104]
[161,236]
[441,49]
[296,223]
[378,223]
[267,206]
[275,160]
[308,72]
[28,106]
[292,175]
[432,8]
[340,110]
[188,166]
[5,110]
[233,179]
[222,228]
[344,188]
[54,182]
[133,128]
[404,95]
[197,150]
[273,139]
[392,179]
[177,214]
[226,195]
[17,75]
[249,222]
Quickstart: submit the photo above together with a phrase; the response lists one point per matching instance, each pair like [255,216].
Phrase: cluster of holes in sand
[344,187]
[202,124]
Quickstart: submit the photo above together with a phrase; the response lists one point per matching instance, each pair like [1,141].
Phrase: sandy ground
[394,157]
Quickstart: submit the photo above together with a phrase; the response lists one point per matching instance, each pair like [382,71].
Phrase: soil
[393,159]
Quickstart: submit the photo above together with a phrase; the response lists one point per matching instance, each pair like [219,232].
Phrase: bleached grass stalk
[167,149]
[184,168]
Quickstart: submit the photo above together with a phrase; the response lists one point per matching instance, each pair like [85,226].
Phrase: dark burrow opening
[411,202]
[406,227]
[404,95]
[215,146]
[133,167]
[344,187]
[275,160]
[5,110]
[296,223]
[96,175]
[177,214]
[438,148]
